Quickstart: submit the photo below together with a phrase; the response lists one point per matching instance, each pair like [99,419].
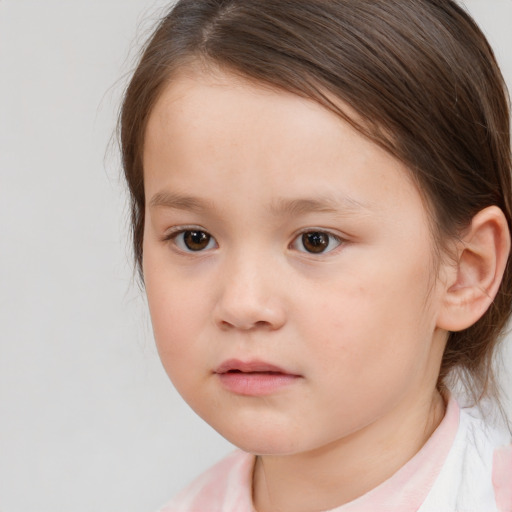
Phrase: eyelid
[176,230]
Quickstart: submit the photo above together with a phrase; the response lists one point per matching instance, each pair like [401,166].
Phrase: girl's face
[289,268]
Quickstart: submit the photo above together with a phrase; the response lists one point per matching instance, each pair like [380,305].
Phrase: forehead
[210,127]
[201,100]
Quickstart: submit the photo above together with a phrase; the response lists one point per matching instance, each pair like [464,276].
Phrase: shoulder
[502,477]
[476,475]
[225,487]
[492,449]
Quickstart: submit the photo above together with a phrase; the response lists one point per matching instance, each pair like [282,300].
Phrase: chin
[272,440]
[263,446]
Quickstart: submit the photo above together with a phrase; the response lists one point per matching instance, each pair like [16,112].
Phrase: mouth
[237,366]
[254,378]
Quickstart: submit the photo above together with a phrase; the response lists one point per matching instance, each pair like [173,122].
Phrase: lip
[249,367]
[254,378]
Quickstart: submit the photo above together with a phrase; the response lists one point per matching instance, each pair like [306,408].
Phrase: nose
[250,297]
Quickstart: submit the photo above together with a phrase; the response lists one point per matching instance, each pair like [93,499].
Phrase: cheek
[176,320]
[372,321]
[177,309]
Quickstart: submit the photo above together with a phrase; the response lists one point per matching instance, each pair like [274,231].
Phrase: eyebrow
[179,202]
[279,207]
[323,204]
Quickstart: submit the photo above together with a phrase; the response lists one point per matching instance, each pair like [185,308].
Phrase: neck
[344,470]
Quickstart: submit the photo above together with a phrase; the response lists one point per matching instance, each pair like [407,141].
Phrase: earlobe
[476,275]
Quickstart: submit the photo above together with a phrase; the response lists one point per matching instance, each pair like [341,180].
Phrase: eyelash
[319,237]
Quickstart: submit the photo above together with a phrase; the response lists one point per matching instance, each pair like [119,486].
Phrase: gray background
[88,420]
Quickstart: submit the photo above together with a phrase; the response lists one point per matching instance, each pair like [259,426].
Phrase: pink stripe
[502,478]
[408,488]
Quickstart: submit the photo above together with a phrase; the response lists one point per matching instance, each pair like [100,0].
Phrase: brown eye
[316,242]
[194,240]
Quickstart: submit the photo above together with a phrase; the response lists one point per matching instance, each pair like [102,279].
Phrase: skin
[358,324]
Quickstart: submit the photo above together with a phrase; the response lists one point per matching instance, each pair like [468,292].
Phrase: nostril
[248,316]
[260,324]
[226,325]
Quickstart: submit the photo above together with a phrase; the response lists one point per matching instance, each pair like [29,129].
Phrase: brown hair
[420,75]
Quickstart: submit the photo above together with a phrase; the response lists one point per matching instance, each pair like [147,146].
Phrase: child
[321,209]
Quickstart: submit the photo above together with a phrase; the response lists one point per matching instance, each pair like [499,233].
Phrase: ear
[475,276]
